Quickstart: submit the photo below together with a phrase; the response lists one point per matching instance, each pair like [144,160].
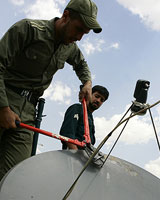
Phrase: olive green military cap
[88,12]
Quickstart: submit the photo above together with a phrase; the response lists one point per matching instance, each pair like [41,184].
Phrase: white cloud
[114,45]
[58,92]
[91,47]
[61,2]
[138,130]
[88,47]
[148,11]
[154,167]
[18,2]
[41,9]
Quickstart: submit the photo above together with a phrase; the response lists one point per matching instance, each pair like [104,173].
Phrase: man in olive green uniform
[31,52]
[73,124]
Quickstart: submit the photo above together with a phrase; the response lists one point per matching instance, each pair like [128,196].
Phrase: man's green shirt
[29,57]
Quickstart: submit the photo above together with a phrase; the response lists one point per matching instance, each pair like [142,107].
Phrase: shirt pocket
[34,60]
[36,55]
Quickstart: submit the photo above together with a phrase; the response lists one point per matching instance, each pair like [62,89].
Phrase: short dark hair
[73,14]
[102,90]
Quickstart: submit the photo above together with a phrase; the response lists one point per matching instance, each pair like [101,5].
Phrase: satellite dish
[50,175]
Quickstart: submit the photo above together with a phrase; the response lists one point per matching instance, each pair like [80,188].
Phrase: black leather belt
[28,94]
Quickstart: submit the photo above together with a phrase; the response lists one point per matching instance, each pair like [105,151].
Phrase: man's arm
[86,92]
[71,146]
[82,70]
[11,43]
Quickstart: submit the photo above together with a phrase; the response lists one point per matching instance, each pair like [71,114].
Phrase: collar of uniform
[51,27]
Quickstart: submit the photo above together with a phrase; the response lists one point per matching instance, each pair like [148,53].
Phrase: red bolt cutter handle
[50,134]
[86,124]
[62,138]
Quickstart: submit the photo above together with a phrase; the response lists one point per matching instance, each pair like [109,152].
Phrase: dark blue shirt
[73,125]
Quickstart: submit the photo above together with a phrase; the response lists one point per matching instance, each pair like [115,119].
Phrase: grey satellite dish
[49,176]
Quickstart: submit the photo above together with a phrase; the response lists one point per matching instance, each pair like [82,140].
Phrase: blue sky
[125,51]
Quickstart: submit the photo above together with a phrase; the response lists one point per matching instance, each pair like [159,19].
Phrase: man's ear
[65,16]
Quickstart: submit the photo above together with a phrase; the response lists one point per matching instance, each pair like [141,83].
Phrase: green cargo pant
[16,144]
